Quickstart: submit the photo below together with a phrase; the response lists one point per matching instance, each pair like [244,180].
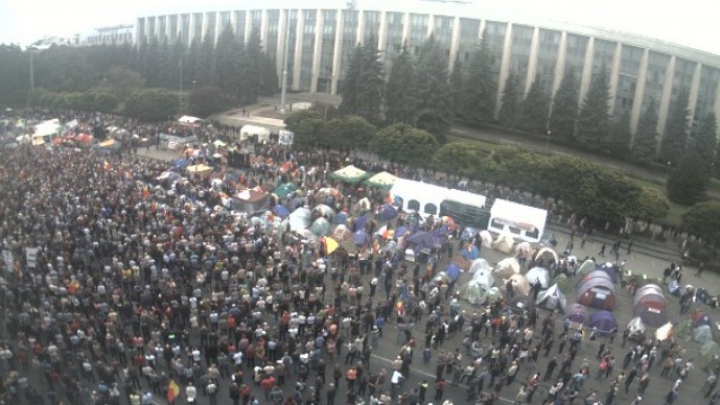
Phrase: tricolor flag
[173,391]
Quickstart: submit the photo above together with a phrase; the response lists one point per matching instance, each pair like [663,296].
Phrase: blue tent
[400,231]
[470,253]
[361,238]
[340,218]
[611,271]
[388,212]
[453,271]
[180,163]
[360,223]
[280,211]
[603,321]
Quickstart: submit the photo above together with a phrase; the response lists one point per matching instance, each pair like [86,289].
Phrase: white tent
[507,267]
[552,298]
[636,325]
[538,275]
[524,222]
[186,119]
[479,264]
[504,243]
[262,133]
[47,128]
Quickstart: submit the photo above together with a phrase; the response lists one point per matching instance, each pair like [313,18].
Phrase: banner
[31,257]
[9,260]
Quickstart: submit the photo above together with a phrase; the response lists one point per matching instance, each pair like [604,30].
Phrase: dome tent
[506,268]
[479,264]
[702,326]
[552,299]
[611,271]
[504,243]
[636,326]
[603,321]
[587,267]
[650,305]
[538,275]
[519,284]
[596,290]
[577,314]
[480,288]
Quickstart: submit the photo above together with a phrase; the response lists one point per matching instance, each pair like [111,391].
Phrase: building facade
[321,42]
[118,34]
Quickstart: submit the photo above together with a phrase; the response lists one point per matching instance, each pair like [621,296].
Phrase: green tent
[349,174]
[284,190]
[382,180]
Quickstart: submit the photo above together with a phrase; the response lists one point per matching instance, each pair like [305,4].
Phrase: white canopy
[47,128]
[262,133]
[186,119]
[466,198]
[416,194]
[524,222]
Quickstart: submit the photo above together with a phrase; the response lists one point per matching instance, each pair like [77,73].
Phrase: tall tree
[205,62]
[457,86]
[535,109]
[400,103]
[594,119]
[351,82]
[269,81]
[705,141]
[688,179]
[565,108]
[644,147]
[511,99]
[227,62]
[480,86]
[372,79]
[620,136]
[250,65]
[433,102]
[676,129]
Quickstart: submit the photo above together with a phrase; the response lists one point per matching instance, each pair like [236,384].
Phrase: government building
[320,41]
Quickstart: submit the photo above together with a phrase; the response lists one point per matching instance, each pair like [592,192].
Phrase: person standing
[440,389]
[330,394]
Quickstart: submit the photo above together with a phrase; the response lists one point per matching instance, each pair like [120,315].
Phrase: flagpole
[181,87]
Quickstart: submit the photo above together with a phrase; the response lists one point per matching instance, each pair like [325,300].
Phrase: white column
[233,21]
[694,89]
[587,69]
[615,76]
[559,64]
[317,51]
[298,49]
[431,24]
[666,96]
[283,22]
[337,52]
[406,29]
[204,26]
[454,43]
[482,28]
[504,68]
[361,28]
[264,26]
[218,27]
[382,31]
[248,24]
[191,29]
[532,63]
[138,34]
[639,91]
[717,101]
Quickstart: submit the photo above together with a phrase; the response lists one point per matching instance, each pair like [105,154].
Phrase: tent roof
[602,317]
[186,119]
[465,197]
[349,173]
[416,190]
[254,130]
[382,179]
[519,213]
[650,290]
[250,195]
[198,168]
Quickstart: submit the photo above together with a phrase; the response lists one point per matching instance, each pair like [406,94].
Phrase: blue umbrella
[361,238]
[340,219]
[453,271]
[280,211]
[388,212]
[179,163]
[470,253]
[360,223]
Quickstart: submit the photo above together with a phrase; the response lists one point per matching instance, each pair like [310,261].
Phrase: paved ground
[652,266]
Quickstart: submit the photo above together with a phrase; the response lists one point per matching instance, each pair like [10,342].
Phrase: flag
[106,165]
[173,391]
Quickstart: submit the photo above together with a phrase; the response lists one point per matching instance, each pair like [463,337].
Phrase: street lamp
[667,171]
[286,51]
[547,140]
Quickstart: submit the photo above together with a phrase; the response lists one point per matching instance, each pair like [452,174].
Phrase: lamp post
[286,51]
[547,140]
[328,85]
[667,170]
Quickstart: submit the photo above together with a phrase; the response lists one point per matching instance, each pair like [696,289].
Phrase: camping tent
[702,326]
[263,134]
[342,233]
[284,190]
[596,290]
[453,271]
[480,288]
[507,267]
[588,266]
[479,264]
[650,305]
[251,201]
[538,275]
[519,284]
[524,222]
[504,243]
[349,174]
[484,277]
[577,314]
[382,180]
[636,326]
[552,299]
[611,270]
[665,332]
[299,219]
[486,239]
[547,251]
[603,321]
[321,227]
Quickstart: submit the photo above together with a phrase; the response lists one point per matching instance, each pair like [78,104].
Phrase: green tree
[310,134]
[433,103]
[151,105]
[511,99]
[227,68]
[350,103]
[400,102]
[480,86]
[705,141]
[703,221]
[269,82]
[123,81]
[674,141]
[371,92]
[688,180]
[293,120]
[651,204]
[565,108]
[350,132]
[207,100]
[404,144]
[457,86]
[644,148]
[456,157]
[103,101]
[620,136]
[535,110]
[593,127]
[250,73]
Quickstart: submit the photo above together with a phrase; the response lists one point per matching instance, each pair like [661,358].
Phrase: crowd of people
[142,291]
